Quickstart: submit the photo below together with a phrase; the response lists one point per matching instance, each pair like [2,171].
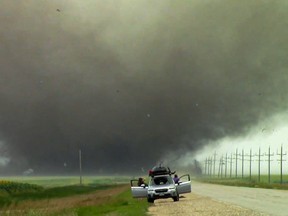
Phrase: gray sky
[133,81]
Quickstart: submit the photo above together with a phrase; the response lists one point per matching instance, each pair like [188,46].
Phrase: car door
[184,184]
[138,191]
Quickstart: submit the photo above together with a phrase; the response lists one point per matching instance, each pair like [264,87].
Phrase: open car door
[138,191]
[184,184]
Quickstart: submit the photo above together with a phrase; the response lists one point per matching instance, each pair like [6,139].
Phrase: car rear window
[161,180]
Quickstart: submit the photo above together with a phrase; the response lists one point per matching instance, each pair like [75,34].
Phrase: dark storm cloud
[129,82]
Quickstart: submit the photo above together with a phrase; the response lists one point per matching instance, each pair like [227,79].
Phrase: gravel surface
[193,204]
[269,201]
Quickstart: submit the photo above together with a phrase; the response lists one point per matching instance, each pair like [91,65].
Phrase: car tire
[150,200]
[176,198]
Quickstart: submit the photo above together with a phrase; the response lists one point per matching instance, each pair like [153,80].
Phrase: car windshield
[161,180]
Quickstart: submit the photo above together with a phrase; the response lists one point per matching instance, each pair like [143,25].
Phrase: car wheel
[176,198]
[150,200]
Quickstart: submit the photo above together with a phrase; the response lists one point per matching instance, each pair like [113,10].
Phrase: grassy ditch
[122,204]
[98,197]
[35,193]
[247,182]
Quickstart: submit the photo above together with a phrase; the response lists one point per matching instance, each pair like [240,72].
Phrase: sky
[136,83]
[263,141]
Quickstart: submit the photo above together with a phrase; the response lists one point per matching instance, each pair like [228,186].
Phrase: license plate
[161,194]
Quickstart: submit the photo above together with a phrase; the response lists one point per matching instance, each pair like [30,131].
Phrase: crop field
[65,196]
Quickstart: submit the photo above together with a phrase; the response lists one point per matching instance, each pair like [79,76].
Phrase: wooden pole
[80,165]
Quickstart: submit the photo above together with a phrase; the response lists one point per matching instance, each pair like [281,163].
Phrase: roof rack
[159,170]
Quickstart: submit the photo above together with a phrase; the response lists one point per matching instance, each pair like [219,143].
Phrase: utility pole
[205,167]
[259,163]
[250,164]
[80,165]
[269,164]
[281,164]
[220,171]
[219,167]
[214,163]
[250,170]
[222,163]
[226,161]
[236,160]
[209,166]
[231,162]
[242,159]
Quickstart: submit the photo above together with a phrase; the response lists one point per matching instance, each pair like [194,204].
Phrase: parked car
[160,187]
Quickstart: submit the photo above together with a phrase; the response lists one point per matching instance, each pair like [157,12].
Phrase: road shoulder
[193,204]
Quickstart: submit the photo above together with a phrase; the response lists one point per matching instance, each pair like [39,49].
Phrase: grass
[49,193]
[247,182]
[10,187]
[123,204]
[67,189]
[56,181]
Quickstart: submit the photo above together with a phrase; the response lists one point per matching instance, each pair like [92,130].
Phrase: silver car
[162,186]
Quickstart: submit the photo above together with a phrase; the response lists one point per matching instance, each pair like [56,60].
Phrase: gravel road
[209,199]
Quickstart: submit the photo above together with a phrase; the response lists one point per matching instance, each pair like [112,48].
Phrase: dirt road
[208,199]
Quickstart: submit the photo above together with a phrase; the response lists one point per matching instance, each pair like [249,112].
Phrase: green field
[65,196]
[275,182]
[54,181]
